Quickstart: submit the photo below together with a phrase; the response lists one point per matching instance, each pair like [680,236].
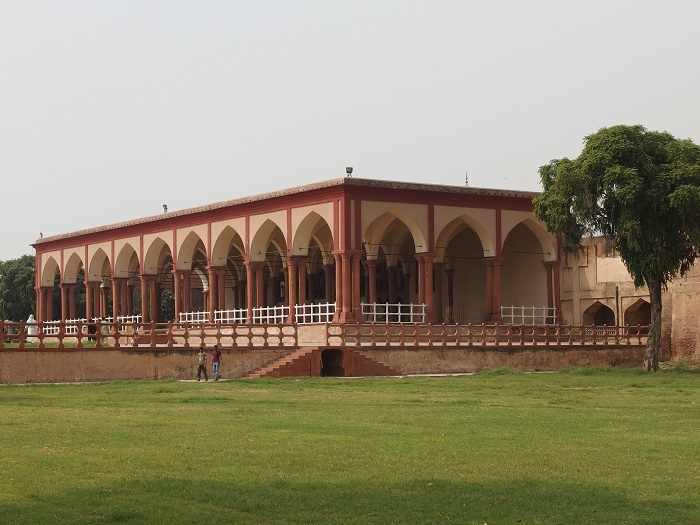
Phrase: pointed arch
[227,246]
[458,225]
[154,257]
[126,262]
[386,226]
[313,228]
[523,276]
[99,267]
[71,268]
[638,313]
[546,242]
[598,314]
[49,271]
[268,233]
[192,244]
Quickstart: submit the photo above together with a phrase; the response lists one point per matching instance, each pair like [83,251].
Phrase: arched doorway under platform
[332,363]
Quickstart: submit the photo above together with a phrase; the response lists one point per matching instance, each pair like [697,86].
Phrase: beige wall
[598,275]
[53,365]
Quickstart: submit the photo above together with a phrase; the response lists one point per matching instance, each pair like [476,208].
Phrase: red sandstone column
[130,299]
[259,291]
[211,273]
[145,317]
[64,301]
[221,292]
[118,297]
[428,291]
[550,298]
[338,316]
[37,293]
[89,291]
[177,292]
[356,281]
[439,268]
[103,299]
[489,289]
[372,280]
[421,278]
[557,291]
[346,261]
[292,289]
[301,265]
[186,290]
[235,286]
[250,276]
[123,300]
[154,297]
[48,301]
[497,262]
[115,298]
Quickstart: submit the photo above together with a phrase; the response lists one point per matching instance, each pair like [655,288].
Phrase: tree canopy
[641,189]
[17,295]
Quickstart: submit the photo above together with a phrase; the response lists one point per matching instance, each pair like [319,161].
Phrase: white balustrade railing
[270,314]
[51,327]
[71,325]
[314,313]
[529,315]
[194,317]
[231,316]
[393,313]
[129,319]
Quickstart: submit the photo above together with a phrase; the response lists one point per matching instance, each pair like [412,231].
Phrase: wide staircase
[289,361]
[306,361]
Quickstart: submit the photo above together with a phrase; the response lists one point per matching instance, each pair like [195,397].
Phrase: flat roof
[349,181]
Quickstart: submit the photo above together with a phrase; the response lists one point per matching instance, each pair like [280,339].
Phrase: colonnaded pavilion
[344,264]
[336,251]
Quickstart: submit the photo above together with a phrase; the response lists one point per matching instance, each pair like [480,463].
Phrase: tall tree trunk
[651,359]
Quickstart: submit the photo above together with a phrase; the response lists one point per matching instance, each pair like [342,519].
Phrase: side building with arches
[344,251]
[597,289]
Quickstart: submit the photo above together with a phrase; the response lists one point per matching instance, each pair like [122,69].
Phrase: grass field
[576,447]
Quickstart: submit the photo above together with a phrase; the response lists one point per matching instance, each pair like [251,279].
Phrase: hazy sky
[108,110]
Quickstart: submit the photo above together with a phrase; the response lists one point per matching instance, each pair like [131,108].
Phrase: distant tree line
[17,295]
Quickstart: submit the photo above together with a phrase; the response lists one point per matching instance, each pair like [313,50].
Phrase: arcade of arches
[462,252]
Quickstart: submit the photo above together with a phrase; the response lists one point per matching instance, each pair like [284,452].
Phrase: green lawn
[576,447]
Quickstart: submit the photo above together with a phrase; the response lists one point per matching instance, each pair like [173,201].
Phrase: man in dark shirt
[202,364]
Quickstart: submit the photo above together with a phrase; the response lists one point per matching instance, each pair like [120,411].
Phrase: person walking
[216,362]
[202,364]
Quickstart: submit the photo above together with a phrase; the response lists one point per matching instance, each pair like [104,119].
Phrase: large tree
[639,188]
[17,295]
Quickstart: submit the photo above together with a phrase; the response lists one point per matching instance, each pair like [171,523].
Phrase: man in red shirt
[216,362]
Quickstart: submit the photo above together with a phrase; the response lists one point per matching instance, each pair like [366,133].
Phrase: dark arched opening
[599,315]
[332,363]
